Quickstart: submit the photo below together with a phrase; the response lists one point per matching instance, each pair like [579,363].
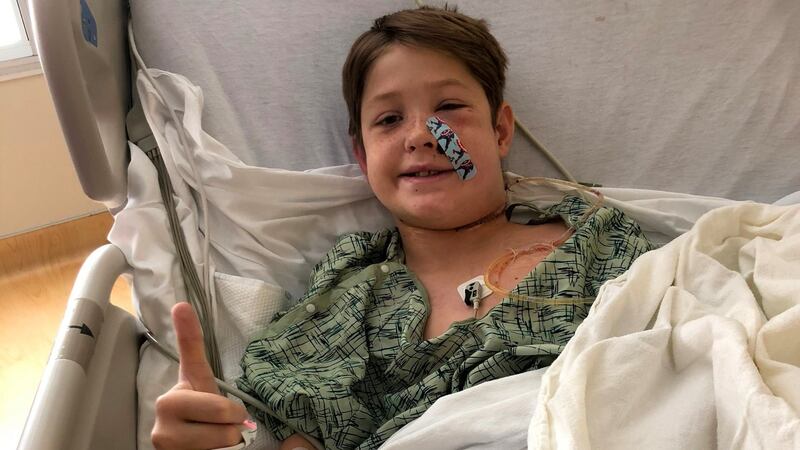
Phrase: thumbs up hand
[193,414]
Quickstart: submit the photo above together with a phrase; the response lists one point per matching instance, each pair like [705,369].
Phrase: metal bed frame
[87,396]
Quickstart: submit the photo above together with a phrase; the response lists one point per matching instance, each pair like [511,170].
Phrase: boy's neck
[437,250]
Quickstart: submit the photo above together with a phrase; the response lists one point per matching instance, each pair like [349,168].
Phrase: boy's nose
[419,137]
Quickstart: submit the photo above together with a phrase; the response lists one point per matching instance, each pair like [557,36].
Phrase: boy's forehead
[390,93]
[401,66]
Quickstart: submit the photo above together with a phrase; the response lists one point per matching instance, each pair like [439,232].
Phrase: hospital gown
[349,364]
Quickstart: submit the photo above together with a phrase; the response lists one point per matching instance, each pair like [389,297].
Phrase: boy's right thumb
[194,368]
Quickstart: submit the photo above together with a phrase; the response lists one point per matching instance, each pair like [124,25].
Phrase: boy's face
[404,87]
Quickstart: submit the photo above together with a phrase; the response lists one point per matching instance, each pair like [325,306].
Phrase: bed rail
[87,396]
[84,54]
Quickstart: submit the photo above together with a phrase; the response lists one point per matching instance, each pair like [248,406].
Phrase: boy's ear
[360,154]
[504,129]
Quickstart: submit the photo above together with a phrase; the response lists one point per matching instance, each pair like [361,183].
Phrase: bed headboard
[83,51]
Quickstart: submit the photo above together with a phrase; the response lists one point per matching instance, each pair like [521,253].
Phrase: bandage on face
[450,146]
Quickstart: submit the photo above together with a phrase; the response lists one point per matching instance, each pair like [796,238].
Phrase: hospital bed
[701,99]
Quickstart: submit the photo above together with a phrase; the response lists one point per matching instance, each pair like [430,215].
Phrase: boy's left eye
[389,120]
[450,106]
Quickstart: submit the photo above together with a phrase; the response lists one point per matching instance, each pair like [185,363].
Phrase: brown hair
[441,29]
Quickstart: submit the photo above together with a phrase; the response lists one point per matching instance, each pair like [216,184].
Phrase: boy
[387,326]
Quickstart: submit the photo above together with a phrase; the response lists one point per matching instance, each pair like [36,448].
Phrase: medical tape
[450,146]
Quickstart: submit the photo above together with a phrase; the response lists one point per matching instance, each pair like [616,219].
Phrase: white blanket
[697,346]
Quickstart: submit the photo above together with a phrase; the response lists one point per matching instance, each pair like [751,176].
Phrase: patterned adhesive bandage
[451,147]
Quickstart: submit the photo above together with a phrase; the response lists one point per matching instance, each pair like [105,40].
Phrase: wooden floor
[37,270]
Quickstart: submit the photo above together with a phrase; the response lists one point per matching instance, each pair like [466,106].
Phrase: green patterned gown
[349,365]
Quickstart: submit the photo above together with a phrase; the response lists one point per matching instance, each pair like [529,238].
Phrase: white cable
[223,385]
[182,137]
[210,318]
[550,157]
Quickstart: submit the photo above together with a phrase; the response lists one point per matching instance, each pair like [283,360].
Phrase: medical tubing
[223,386]
[193,289]
[550,157]
[500,263]
[198,298]
[182,138]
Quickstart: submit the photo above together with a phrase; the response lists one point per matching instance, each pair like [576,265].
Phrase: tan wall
[38,185]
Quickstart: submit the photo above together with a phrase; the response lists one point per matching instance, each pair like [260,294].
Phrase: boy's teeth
[425,173]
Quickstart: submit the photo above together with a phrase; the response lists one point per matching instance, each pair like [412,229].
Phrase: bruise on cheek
[450,146]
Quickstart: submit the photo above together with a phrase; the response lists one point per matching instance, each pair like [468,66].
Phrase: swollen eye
[389,120]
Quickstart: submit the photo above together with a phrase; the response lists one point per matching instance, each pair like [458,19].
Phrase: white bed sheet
[268,225]
[492,415]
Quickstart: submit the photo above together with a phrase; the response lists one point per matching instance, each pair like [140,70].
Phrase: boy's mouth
[424,172]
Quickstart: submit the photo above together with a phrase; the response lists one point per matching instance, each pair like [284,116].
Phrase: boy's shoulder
[362,248]
[366,243]
[351,253]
